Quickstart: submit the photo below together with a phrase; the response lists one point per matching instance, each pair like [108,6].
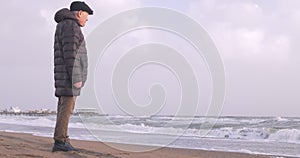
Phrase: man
[70,67]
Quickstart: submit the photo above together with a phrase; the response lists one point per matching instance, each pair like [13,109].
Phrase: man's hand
[78,84]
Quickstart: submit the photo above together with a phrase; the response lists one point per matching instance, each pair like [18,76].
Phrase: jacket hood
[64,14]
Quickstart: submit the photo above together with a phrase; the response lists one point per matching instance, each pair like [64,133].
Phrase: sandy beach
[27,145]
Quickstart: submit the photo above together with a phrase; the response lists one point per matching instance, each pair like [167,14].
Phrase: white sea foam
[287,135]
[40,121]
[26,120]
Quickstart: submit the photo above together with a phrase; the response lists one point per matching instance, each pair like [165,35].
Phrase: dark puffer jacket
[70,55]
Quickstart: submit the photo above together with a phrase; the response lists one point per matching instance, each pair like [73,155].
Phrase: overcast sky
[258,41]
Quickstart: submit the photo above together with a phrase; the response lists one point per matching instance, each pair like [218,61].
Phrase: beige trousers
[65,108]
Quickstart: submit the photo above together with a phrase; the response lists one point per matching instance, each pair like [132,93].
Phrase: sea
[277,136]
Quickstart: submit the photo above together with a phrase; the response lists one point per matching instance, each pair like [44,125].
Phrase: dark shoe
[62,146]
[70,146]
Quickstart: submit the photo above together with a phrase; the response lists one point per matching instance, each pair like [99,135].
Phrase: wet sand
[26,145]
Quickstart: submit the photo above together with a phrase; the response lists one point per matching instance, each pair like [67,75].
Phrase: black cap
[77,6]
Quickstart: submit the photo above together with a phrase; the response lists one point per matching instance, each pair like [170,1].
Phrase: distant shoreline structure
[27,113]
[18,111]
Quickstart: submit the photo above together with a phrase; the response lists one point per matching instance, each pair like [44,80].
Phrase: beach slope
[27,145]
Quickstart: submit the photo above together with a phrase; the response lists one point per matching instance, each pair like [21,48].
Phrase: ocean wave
[286,135]
[41,121]
[226,127]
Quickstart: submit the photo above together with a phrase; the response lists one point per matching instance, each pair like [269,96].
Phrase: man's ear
[80,13]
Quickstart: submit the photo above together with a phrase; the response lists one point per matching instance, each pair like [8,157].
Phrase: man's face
[82,17]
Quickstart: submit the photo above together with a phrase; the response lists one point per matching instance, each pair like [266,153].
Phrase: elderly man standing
[70,67]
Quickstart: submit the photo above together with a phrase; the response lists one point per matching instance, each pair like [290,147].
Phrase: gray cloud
[258,42]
